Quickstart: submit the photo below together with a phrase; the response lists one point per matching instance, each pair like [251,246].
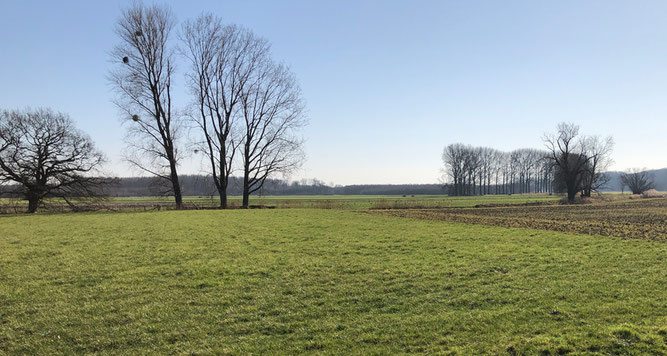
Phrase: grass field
[288,281]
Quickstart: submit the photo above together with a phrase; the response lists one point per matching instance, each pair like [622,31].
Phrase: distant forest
[200,185]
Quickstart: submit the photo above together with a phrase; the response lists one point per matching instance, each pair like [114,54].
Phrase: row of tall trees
[245,109]
[203,186]
[572,163]
[483,170]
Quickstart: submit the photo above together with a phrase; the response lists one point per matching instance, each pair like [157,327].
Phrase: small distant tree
[637,180]
[43,155]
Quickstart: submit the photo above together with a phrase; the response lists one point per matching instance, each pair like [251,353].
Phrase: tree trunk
[571,191]
[178,196]
[33,204]
[221,185]
[246,189]
[223,199]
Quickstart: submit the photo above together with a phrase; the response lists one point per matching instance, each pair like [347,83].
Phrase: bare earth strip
[640,219]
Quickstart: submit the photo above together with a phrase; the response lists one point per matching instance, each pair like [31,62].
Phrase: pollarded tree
[637,180]
[143,81]
[43,155]
[566,152]
[578,160]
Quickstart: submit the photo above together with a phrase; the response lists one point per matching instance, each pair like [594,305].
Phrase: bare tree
[43,155]
[453,159]
[223,60]
[598,152]
[143,82]
[567,154]
[579,161]
[638,180]
[486,156]
[514,170]
[505,171]
[273,112]
[497,161]
[467,168]
[546,173]
[525,161]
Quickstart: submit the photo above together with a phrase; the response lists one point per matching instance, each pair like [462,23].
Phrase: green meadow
[325,281]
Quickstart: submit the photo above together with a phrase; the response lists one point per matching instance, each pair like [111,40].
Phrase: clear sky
[387,83]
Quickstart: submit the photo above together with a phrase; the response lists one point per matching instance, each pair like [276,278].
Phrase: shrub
[652,193]
[587,200]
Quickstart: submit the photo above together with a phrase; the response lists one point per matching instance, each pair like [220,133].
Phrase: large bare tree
[578,160]
[143,81]
[273,112]
[223,61]
[566,153]
[43,155]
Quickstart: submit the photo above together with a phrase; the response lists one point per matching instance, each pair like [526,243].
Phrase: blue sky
[387,83]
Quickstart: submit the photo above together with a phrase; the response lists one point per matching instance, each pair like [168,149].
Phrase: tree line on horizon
[203,186]
[485,170]
[571,163]
[636,180]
